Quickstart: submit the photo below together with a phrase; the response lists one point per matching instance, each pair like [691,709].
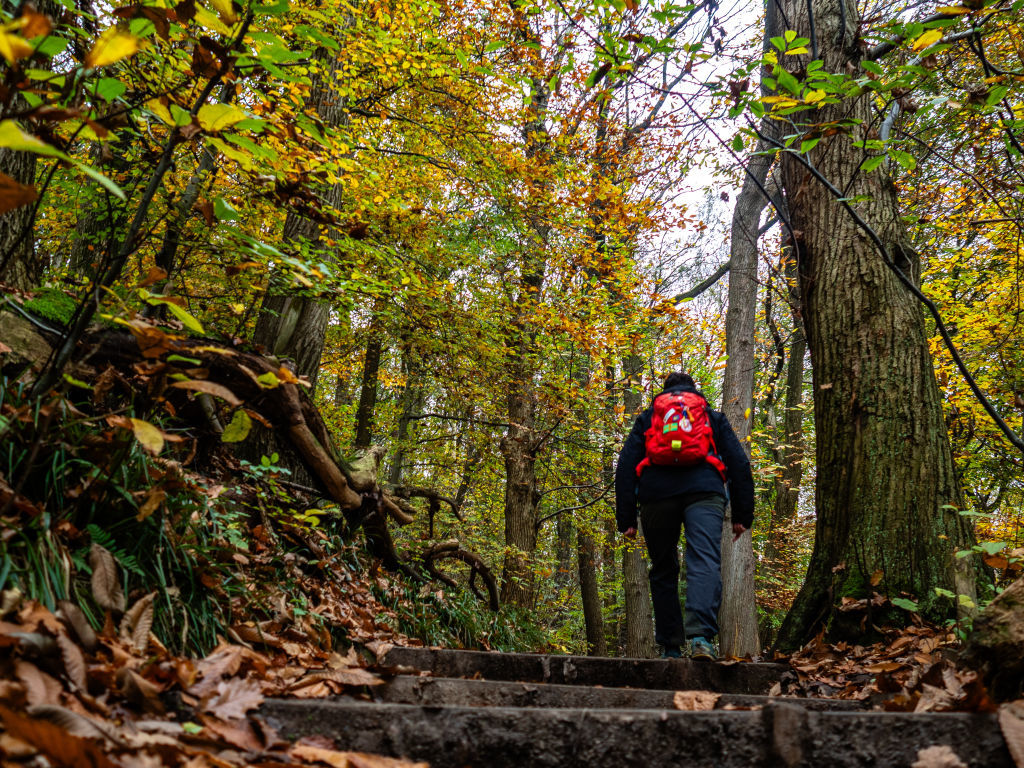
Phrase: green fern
[105,540]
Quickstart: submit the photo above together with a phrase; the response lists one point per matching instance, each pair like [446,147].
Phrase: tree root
[452,550]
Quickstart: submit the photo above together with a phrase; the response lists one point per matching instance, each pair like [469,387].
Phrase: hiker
[680,464]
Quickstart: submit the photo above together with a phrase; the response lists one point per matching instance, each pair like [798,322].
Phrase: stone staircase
[458,709]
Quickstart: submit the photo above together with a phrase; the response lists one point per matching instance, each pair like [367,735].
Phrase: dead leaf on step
[233,699]
[311,754]
[939,756]
[693,701]
[1011,723]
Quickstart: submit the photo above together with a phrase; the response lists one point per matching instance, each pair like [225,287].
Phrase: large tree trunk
[887,493]
[636,588]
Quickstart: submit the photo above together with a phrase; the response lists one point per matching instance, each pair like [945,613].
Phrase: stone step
[458,692]
[657,674]
[506,737]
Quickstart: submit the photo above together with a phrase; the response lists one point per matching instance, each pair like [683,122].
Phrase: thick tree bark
[19,266]
[586,554]
[563,550]
[887,493]
[411,400]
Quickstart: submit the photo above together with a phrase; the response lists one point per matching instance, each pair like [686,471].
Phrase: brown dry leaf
[884,666]
[154,499]
[939,756]
[14,194]
[694,701]
[1011,723]
[234,698]
[16,749]
[354,676]
[209,388]
[335,759]
[74,723]
[240,733]
[106,586]
[40,688]
[934,699]
[58,745]
[224,661]
[137,623]
[75,618]
[139,691]
[74,661]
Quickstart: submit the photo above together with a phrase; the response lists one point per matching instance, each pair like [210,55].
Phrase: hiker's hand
[630,533]
[737,530]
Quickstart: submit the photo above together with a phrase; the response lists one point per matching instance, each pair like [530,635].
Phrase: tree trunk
[790,454]
[368,388]
[289,325]
[738,616]
[411,399]
[887,493]
[636,588]
[563,550]
[586,555]
[19,267]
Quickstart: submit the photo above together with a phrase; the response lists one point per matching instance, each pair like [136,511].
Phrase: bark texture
[586,554]
[19,266]
[885,470]
[639,641]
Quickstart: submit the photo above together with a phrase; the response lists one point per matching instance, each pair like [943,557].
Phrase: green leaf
[238,428]
[944,592]
[966,601]
[268,380]
[737,143]
[109,88]
[991,547]
[905,159]
[872,162]
[52,45]
[12,137]
[223,210]
[494,45]
[871,66]
[996,95]
[186,319]
[902,602]
[76,382]
[192,728]
[182,359]
[808,144]
[789,82]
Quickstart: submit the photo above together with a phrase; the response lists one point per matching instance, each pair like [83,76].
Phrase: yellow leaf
[160,109]
[206,19]
[217,117]
[226,11]
[113,45]
[149,437]
[813,97]
[953,10]
[746,414]
[795,51]
[14,47]
[929,38]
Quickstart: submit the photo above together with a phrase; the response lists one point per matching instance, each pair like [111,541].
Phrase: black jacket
[661,482]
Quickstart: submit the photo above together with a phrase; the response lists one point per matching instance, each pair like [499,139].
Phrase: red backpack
[680,433]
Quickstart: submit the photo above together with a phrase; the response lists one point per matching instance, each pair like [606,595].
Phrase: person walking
[681,464]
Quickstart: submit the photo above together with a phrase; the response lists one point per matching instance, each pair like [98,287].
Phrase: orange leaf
[14,194]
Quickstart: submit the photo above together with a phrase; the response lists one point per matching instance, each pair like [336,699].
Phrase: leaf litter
[122,700]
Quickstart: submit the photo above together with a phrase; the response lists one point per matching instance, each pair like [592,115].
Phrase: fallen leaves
[694,701]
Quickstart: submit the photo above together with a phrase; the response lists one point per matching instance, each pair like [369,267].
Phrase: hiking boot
[701,649]
[672,652]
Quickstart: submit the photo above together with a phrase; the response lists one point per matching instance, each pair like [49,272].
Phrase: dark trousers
[702,516]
